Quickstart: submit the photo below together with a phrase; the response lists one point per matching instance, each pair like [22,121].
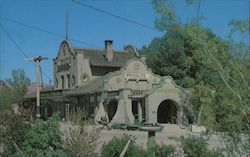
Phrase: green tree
[199,59]
[18,82]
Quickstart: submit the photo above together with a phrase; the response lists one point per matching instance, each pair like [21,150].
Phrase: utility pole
[37,61]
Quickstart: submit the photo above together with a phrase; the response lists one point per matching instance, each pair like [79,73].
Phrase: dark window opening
[167,112]
[111,109]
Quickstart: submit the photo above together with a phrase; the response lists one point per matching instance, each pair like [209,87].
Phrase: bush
[165,150]
[81,141]
[115,146]
[196,147]
[12,131]
[43,139]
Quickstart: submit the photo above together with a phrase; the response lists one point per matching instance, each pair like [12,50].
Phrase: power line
[19,48]
[113,15]
[46,31]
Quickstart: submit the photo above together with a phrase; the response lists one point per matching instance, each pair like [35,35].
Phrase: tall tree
[18,82]
[195,57]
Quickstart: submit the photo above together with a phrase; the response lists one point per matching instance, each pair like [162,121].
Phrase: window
[56,83]
[73,80]
[62,78]
[68,79]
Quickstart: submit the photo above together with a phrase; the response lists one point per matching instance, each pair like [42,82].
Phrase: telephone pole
[37,61]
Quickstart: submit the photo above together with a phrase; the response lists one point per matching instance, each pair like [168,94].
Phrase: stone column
[100,112]
[139,108]
[124,109]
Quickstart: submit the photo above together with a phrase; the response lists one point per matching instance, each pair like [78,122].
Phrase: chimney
[109,50]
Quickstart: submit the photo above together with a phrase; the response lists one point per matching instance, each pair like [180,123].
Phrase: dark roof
[93,86]
[31,90]
[97,57]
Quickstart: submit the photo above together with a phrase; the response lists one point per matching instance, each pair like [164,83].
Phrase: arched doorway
[111,109]
[167,112]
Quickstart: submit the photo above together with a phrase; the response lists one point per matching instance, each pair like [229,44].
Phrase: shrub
[78,116]
[43,139]
[81,141]
[196,147]
[165,150]
[115,146]
[12,131]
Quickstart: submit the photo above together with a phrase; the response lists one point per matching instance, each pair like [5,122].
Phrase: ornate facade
[112,85]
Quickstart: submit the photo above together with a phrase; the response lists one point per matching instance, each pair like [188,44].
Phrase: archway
[167,112]
[111,109]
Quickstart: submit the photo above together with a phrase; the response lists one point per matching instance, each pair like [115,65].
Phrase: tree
[179,54]
[195,57]
[18,82]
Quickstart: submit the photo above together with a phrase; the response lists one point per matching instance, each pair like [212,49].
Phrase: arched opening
[167,112]
[111,109]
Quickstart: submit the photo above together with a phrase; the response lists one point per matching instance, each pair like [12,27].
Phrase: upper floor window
[68,79]
[64,53]
[62,78]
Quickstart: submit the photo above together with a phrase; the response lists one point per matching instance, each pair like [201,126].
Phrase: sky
[92,27]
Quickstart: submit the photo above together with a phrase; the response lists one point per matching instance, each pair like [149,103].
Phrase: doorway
[167,112]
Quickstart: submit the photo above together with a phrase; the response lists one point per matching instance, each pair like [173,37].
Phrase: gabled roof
[97,57]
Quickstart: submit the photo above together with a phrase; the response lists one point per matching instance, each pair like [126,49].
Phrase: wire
[113,15]
[20,49]
[46,31]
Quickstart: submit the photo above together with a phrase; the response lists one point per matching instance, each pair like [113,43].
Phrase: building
[113,85]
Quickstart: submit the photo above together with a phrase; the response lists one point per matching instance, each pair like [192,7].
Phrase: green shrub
[12,131]
[43,139]
[81,141]
[196,147]
[164,150]
[115,146]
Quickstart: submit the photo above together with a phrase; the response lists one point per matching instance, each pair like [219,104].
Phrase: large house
[113,85]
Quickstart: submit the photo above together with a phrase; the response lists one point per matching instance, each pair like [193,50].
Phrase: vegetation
[44,139]
[18,82]
[216,69]
[196,147]
[12,131]
[6,99]
[114,147]
[165,150]
[16,90]
[81,140]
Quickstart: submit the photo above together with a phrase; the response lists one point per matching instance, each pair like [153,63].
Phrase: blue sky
[93,27]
